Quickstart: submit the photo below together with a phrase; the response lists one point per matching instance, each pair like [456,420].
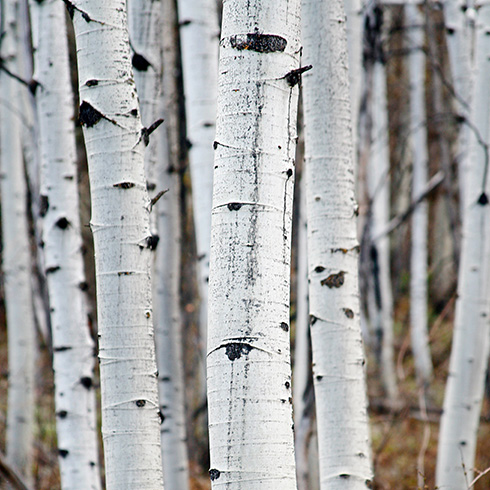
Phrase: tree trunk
[115,141]
[73,348]
[16,259]
[199,34]
[333,251]
[469,353]
[420,217]
[249,370]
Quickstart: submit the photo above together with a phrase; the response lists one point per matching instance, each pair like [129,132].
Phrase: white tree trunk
[199,34]
[73,348]
[249,370]
[333,251]
[115,142]
[16,260]
[379,193]
[469,353]
[419,252]
[459,17]
[145,19]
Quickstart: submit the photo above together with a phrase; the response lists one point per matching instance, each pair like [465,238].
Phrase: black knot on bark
[234,206]
[86,382]
[483,199]
[214,474]
[140,403]
[63,223]
[89,116]
[140,63]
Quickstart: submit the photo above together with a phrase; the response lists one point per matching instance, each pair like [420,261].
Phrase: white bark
[459,16]
[16,260]
[420,216]
[114,138]
[379,193]
[249,370]
[199,34]
[333,251]
[73,347]
[469,353]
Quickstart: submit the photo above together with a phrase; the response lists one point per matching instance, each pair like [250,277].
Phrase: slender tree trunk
[73,348]
[115,142]
[420,217]
[199,34]
[249,370]
[469,353]
[16,260]
[333,251]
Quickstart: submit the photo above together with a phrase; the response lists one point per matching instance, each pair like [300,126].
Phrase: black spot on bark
[32,86]
[88,115]
[287,384]
[483,199]
[70,7]
[334,280]
[62,348]
[462,443]
[92,463]
[262,43]
[313,319]
[140,403]
[215,144]
[345,476]
[51,270]
[62,414]
[236,349]
[284,326]
[214,474]
[319,378]
[86,382]
[140,63]
[348,313]
[86,17]
[63,223]
[150,186]
[289,172]
[162,417]
[294,76]
[124,185]
[319,268]
[185,22]
[152,242]
[234,206]
[450,31]
[83,286]
[63,452]
[134,112]
[91,83]
[43,206]
[369,484]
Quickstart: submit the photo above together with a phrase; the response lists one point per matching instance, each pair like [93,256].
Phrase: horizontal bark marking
[62,414]
[334,280]
[214,474]
[51,270]
[62,348]
[262,43]
[140,403]
[234,206]
[63,452]
[91,83]
[319,268]
[124,185]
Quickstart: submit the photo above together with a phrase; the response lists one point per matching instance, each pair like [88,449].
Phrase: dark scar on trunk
[262,43]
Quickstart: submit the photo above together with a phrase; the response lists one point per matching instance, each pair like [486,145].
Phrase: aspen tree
[73,348]
[469,352]
[199,34]
[16,259]
[115,142]
[333,250]
[146,24]
[249,370]
[420,217]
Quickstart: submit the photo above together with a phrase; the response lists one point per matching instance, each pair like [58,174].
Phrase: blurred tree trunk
[73,348]
[115,142]
[419,251]
[249,370]
[333,251]
[199,34]
[16,259]
[469,353]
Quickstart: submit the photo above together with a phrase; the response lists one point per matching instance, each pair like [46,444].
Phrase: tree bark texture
[249,370]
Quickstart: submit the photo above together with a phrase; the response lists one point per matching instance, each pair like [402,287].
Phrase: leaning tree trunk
[469,353]
[16,260]
[73,348]
[333,252]
[115,142]
[420,217]
[249,371]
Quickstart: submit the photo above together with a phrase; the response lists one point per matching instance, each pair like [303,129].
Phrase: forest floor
[398,437]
